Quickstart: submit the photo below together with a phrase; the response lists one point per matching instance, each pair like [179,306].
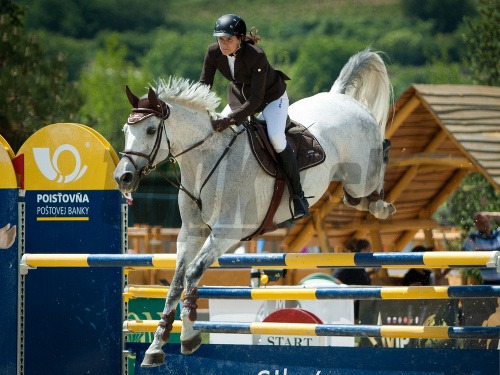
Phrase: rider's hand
[222,123]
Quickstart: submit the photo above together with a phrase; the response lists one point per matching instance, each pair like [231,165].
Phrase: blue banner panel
[73,315]
[72,222]
[293,360]
[9,271]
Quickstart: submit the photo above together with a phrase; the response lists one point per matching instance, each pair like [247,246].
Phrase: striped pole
[302,293]
[439,259]
[308,329]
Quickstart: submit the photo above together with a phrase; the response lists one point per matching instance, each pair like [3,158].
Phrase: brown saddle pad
[306,147]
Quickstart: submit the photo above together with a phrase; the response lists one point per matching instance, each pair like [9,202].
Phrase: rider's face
[228,44]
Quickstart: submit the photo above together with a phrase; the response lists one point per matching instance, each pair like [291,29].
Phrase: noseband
[138,115]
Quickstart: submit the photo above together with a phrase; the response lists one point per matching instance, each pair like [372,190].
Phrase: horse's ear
[153,98]
[132,98]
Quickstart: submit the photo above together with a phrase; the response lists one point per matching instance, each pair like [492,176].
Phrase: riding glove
[221,124]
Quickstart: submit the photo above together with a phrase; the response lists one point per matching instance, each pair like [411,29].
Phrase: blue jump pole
[448,259]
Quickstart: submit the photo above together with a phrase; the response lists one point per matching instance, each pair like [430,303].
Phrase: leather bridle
[140,114]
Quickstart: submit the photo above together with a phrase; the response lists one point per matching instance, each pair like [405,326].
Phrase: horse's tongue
[128,198]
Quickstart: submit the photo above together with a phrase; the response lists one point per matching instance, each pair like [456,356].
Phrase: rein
[173,160]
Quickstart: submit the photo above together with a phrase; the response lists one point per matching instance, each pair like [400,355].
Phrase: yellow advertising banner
[68,156]
[8,179]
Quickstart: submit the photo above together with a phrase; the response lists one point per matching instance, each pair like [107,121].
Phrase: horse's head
[143,140]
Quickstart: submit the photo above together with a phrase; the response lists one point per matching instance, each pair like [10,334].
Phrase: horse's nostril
[127,177]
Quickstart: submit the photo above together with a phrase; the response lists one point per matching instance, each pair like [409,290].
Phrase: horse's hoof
[191,345]
[153,359]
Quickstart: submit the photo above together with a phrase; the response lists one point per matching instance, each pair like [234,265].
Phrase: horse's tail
[365,78]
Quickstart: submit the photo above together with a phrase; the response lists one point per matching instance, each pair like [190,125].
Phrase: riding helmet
[230,25]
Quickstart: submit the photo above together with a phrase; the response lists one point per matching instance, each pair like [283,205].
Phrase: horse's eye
[151,130]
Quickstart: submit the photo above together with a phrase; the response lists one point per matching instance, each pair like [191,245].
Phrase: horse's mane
[184,92]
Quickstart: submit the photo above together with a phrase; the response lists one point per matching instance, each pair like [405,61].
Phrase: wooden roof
[439,134]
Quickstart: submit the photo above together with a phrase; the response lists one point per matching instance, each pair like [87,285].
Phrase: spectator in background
[418,276]
[484,239]
[354,276]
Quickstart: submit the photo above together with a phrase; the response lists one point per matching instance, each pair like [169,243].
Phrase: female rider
[255,86]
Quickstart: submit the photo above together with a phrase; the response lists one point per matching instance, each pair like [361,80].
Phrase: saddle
[307,150]
[306,147]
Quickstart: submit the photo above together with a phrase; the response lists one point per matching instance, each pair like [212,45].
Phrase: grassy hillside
[169,37]
[267,14]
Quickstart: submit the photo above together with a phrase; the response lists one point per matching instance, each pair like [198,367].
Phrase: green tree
[34,91]
[474,194]
[85,19]
[483,43]
[404,46]
[445,14]
[319,63]
[176,54]
[103,86]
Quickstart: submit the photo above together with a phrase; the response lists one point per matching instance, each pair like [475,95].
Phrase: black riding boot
[288,162]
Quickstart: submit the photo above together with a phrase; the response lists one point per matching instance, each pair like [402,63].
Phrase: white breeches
[275,114]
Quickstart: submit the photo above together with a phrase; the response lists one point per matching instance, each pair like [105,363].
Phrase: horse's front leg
[187,247]
[214,247]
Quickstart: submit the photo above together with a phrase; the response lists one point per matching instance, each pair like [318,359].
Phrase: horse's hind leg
[374,203]
[360,204]
[213,248]
[355,196]
[381,209]
[187,247]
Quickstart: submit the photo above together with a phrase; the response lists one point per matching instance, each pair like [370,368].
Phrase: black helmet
[230,25]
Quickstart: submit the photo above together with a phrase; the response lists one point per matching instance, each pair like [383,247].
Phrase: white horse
[225,194]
